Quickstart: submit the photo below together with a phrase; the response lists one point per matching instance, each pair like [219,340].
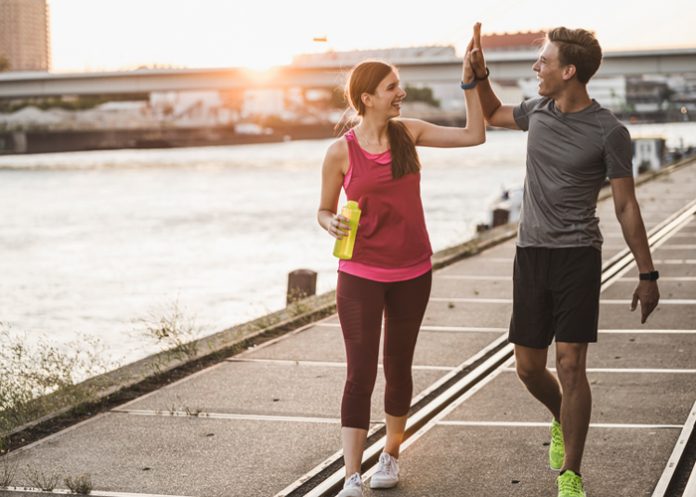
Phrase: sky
[95,35]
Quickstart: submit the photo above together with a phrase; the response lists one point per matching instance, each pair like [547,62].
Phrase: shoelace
[573,484]
[386,463]
[557,437]
[354,481]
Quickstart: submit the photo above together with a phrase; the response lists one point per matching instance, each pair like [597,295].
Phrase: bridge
[416,71]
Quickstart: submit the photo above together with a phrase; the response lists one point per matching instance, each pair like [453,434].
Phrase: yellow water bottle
[343,249]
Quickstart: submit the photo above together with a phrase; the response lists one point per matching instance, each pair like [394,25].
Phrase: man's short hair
[579,48]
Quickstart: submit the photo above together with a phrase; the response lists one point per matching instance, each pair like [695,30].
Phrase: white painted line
[673,461]
[663,279]
[545,424]
[648,332]
[471,300]
[679,246]
[627,370]
[497,260]
[228,416]
[662,301]
[676,235]
[681,262]
[475,329]
[96,493]
[474,300]
[476,278]
[468,329]
[286,362]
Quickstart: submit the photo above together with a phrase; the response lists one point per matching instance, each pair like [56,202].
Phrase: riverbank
[49,141]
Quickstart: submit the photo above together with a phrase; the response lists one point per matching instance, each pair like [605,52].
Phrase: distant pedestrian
[574,144]
[377,165]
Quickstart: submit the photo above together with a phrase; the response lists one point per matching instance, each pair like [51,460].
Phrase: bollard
[301,283]
[500,216]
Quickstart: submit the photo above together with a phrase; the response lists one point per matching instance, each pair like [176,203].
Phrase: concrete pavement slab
[468,314]
[668,289]
[665,316]
[675,251]
[267,388]
[636,398]
[324,343]
[480,266]
[511,462]
[671,268]
[185,456]
[650,351]
[472,288]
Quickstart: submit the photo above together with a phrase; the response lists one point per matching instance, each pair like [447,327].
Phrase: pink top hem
[382,274]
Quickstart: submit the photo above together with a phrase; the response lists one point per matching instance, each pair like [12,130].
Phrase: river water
[92,243]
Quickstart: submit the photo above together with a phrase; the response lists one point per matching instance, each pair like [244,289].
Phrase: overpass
[503,65]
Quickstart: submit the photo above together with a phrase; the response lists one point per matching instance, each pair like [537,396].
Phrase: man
[573,145]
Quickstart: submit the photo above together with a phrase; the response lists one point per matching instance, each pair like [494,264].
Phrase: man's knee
[530,363]
[530,372]
[570,363]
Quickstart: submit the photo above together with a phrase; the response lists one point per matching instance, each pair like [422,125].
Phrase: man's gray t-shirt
[568,158]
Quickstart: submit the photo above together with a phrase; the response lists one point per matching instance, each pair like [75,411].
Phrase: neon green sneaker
[570,485]
[557,447]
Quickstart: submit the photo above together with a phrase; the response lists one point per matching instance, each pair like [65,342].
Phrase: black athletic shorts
[555,293]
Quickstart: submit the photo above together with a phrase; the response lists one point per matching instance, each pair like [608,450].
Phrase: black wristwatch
[651,276]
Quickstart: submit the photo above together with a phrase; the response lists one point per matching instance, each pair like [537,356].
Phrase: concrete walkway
[257,422]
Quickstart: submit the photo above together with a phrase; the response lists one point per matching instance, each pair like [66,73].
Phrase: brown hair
[365,78]
[579,48]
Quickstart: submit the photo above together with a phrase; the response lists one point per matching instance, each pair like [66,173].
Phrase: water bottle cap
[352,204]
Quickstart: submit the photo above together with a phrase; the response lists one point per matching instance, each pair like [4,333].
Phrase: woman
[390,272]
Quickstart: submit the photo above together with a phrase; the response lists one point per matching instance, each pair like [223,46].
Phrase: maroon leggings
[361,303]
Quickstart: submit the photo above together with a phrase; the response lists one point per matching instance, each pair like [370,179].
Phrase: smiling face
[387,98]
[551,75]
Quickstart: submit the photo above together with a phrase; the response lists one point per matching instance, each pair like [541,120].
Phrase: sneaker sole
[383,484]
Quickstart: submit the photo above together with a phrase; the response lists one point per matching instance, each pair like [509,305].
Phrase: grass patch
[38,479]
[81,485]
[175,333]
[38,377]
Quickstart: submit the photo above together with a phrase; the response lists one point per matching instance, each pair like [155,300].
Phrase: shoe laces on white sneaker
[352,487]
[388,466]
[353,481]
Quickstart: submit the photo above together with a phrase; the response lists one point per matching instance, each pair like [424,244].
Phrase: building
[24,35]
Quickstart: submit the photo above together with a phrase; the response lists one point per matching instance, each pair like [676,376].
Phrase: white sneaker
[387,475]
[352,487]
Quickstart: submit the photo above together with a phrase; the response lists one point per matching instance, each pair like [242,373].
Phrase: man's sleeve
[618,153]
[522,112]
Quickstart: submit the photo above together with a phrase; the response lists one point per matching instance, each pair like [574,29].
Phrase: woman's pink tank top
[392,242]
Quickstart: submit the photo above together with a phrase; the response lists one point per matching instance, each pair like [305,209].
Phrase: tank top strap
[356,158]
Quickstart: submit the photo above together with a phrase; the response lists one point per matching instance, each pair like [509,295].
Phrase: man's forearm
[634,233]
[489,100]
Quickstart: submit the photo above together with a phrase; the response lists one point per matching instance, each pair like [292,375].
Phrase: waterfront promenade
[265,422]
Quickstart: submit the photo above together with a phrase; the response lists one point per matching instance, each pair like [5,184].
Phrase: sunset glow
[125,34]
